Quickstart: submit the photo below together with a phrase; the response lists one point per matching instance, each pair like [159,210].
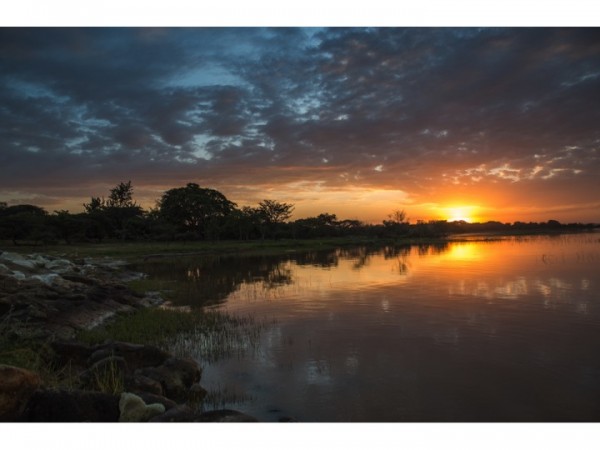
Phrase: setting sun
[456,213]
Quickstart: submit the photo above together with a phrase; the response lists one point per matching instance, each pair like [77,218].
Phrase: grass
[136,251]
[33,356]
[109,379]
[221,397]
[204,335]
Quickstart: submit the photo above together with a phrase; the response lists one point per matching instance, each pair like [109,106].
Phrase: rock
[46,278]
[179,413]
[71,352]
[153,398]
[175,375]
[18,275]
[60,300]
[187,369]
[137,356]
[224,415]
[76,278]
[133,409]
[72,406]
[19,260]
[16,387]
[140,383]
[196,393]
[59,265]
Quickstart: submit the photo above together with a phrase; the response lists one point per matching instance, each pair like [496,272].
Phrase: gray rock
[133,409]
[153,398]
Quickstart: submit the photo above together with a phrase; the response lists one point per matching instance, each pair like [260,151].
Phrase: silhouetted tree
[273,213]
[24,222]
[397,222]
[113,215]
[195,210]
[95,204]
[66,226]
[121,196]
[324,224]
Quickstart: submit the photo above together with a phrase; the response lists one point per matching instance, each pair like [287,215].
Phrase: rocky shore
[47,300]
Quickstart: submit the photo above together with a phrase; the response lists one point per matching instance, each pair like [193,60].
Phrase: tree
[324,224]
[121,196]
[397,223]
[23,222]
[114,214]
[397,217]
[95,204]
[273,213]
[196,210]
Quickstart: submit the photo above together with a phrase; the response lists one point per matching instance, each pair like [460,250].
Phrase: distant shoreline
[144,250]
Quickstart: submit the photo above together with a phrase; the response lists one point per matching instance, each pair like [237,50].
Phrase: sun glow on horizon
[458,213]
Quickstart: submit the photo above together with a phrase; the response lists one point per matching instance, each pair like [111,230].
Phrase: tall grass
[204,335]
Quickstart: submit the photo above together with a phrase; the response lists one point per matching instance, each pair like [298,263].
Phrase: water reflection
[209,281]
[477,331]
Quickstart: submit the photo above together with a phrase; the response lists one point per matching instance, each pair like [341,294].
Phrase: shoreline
[135,251]
[48,374]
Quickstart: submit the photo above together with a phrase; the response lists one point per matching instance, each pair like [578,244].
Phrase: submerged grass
[221,397]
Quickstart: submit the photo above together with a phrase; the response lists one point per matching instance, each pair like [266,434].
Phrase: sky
[442,122]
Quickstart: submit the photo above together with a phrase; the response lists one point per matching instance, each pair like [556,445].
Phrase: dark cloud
[421,110]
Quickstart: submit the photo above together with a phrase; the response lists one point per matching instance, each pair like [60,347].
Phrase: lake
[483,330]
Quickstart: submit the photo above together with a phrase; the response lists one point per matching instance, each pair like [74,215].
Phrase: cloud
[419,110]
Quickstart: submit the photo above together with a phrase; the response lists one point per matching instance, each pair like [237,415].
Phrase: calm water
[478,331]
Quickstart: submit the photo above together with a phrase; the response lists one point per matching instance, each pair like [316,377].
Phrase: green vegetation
[110,379]
[33,355]
[140,250]
[206,335]
[196,214]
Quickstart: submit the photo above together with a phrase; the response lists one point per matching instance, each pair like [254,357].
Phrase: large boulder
[72,406]
[175,375]
[71,353]
[137,356]
[16,387]
[134,409]
[139,383]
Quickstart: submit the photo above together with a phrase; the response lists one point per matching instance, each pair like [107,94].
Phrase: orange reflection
[464,252]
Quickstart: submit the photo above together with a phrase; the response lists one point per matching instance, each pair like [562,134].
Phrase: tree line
[193,212]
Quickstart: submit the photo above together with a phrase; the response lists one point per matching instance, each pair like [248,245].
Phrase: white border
[301,13]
